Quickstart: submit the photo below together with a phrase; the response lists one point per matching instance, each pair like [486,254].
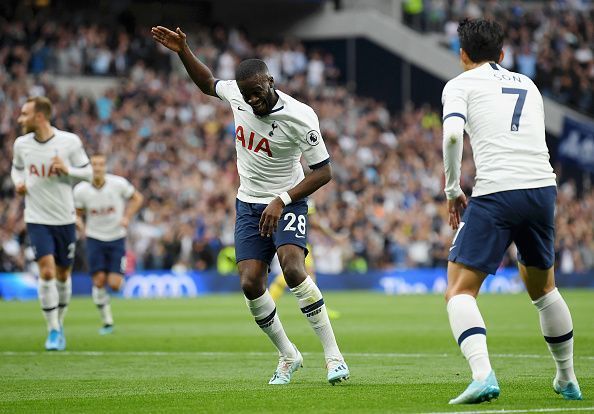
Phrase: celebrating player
[107,205]
[45,160]
[513,201]
[273,130]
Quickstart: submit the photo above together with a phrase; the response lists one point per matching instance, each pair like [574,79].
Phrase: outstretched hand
[174,41]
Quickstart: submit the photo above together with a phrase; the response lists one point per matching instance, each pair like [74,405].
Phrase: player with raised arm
[513,201]
[273,131]
[45,162]
[106,205]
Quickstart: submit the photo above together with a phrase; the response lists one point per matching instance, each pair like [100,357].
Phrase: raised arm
[176,42]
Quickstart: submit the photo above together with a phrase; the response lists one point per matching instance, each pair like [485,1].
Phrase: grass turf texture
[207,355]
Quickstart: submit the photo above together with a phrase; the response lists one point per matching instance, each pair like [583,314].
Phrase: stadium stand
[177,147]
[551,42]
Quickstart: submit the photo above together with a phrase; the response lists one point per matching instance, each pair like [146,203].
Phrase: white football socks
[312,305]
[101,299]
[64,295]
[469,331]
[264,311]
[48,297]
[557,328]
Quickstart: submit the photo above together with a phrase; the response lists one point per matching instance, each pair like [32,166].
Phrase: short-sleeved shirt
[104,206]
[504,117]
[49,194]
[269,148]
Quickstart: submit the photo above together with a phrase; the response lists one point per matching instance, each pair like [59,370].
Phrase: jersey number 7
[515,123]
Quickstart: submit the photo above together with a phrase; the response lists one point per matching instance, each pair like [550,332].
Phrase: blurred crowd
[549,41]
[177,146]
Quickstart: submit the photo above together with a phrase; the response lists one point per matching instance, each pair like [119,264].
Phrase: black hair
[481,39]
[250,67]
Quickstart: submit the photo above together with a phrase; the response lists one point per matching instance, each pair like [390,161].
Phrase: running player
[107,205]
[273,131]
[513,201]
[45,162]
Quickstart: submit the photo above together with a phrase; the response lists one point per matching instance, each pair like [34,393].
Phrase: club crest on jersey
[262,145]
[313,137]
[43,171]
[273,126]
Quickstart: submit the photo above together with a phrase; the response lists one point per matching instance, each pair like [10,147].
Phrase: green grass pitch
[207,355]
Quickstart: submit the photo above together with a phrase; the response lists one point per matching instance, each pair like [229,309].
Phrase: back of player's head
[481,39]
[42,104]
[249,68]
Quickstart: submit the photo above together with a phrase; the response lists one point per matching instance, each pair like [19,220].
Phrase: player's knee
[47,272]
[252,287]
[294,273]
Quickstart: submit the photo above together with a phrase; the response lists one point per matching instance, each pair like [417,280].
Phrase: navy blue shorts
[59,241]
[493,221]
[292,229]
[106,256]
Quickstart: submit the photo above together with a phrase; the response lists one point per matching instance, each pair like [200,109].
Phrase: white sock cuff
[260,301]
[461,299]
[47,283]
[66,283]
[307,287]
[547,300]
[100,295]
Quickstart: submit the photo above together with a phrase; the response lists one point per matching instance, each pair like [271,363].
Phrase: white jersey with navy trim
[49,194]
[504,116]
[104,206]
[269,148]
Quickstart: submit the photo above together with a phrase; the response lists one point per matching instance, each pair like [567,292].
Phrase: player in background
[513,201]
[273,131]
[106,206]
[279,284]
[45,162]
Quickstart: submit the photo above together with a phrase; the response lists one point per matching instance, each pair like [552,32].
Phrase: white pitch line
[528,410]
[199,353]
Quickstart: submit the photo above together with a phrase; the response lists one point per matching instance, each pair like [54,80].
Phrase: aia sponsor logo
[43,171]
[250,143]
[102,211]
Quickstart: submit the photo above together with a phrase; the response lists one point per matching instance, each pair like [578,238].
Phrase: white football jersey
[49,195]
[504,117]
[104,206]
[269,148]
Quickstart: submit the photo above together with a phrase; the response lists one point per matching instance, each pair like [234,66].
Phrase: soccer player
[279,284]
[513,201]
[45,162]
[107,205]
[273,130]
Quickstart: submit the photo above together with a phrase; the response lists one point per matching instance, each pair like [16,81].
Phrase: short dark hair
[250,67]
[42,104]
[481,39]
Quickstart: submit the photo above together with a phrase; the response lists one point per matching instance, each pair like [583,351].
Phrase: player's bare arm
[311,183]
[132,208]
[21,189]
[80,222]
[176,42]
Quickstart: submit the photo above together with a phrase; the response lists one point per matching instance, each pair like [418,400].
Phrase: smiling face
[258,92]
